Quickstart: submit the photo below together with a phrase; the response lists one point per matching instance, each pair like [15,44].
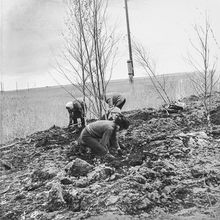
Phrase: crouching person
[115,100]
[76,109]
[112,113]
[102,134]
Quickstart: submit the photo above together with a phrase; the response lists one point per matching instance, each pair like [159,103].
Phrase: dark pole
[130,61]
[2,87]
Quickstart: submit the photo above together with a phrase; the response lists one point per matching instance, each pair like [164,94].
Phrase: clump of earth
[169,169]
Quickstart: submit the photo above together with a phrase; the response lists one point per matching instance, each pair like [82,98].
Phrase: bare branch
[90,50]
[147,65]
[204,81]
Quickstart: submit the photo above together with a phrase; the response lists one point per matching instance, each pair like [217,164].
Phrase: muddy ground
[169,169]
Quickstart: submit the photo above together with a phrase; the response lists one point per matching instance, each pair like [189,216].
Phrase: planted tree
[204,61]
[144,60]
[90,50]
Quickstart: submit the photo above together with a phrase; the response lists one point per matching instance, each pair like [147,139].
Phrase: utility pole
[16,86]
[1,71]
[2,87]
[130,61]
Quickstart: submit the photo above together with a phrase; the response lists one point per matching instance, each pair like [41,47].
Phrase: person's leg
[83,121]
[121,104]
[92,143]
[70,119]
[95,146]
[75,121]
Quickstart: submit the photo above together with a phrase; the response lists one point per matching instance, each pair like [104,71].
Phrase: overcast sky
[31,35]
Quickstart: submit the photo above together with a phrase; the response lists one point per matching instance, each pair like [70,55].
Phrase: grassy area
[27,111]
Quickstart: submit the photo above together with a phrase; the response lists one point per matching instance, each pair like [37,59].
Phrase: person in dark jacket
[76,109]
[115,100]
[102,134]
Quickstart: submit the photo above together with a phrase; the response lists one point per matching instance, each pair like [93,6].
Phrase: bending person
[102,134]
[115,100]
[112,113]
[76,109]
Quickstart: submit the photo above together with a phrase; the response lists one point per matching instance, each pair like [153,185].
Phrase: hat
[69,105]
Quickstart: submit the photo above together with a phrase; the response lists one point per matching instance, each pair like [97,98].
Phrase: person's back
[115,100]
[76,109]
[98,128]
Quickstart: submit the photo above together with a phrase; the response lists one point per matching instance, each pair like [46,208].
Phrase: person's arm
[115,144]
[106,138]
[82,109]
[110,102]
[114,140]
[70,118]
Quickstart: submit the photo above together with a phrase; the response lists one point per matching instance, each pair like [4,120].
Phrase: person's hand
[119,151]
[109,157]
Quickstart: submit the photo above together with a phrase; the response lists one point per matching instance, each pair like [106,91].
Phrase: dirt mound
[169,169]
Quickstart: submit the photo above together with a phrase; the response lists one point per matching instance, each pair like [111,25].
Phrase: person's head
[122,122]
[114,113]
[69,106]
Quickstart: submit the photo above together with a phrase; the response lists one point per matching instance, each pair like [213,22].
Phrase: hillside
[113,84]
[27,111]
[170,169]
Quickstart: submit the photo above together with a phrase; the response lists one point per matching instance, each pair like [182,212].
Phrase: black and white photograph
[109,110]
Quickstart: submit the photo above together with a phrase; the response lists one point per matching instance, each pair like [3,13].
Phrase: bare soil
[169,169]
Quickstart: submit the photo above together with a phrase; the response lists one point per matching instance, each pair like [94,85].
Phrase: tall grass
[22,114]
[25,112]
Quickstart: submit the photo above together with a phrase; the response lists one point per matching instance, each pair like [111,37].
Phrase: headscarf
[69,105]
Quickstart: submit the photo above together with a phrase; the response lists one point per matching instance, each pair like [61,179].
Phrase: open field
[27,111]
